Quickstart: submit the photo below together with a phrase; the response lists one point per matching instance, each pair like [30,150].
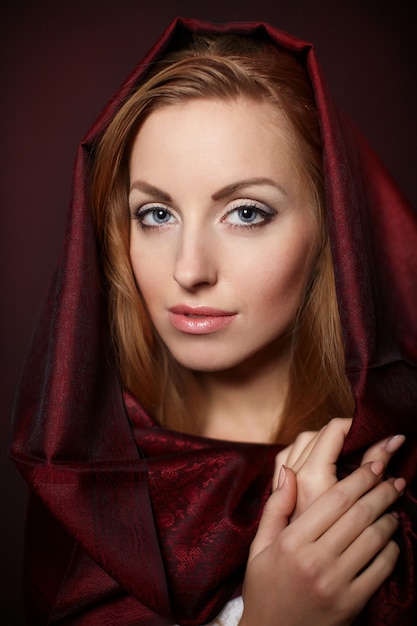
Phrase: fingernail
[395,514]
[394,443]
[282,476]
[377,467]
[400,485]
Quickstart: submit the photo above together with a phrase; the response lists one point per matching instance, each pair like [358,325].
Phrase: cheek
[285,279]
[145,273]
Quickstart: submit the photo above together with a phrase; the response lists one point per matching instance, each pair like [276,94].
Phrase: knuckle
[326,591]
[367,477]
[305,437]
[340,497]
[281,456]
[288,546]
[315,573]
[311,567]
[337,422]
[362,512]
[387,493]
[323,591]
[310,487]
[376,537]
[308,476]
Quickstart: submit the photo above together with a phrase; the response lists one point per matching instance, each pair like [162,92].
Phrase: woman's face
[222,235]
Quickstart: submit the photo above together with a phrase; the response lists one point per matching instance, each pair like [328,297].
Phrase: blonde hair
[219,67]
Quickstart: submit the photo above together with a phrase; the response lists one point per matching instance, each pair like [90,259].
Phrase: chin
[204,365]
[206,362]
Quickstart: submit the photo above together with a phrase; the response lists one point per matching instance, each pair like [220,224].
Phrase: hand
[322,568]
[313,457]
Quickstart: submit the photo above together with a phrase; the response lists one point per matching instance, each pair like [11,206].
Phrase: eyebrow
[224,192]
[156,193]
[242,184]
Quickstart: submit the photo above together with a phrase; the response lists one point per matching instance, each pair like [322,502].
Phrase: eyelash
[149,209]
[260,209]
[238,205]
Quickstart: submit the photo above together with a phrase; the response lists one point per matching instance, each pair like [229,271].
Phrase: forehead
[244,108]
[236,133]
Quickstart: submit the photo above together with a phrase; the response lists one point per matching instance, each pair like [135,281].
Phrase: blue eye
[151,216]
[160,216]
[246,214]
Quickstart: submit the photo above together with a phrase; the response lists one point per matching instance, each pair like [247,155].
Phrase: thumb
[277,511]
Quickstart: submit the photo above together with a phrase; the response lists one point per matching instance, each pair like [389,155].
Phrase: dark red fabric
[133,524]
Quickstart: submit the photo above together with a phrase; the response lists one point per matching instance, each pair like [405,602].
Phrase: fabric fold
[130,523]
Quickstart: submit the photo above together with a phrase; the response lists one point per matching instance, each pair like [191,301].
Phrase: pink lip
[199,320]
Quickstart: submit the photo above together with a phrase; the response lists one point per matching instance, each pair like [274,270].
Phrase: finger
[318,469]
[301,450]
[296,454]
[292,453]
[329,443]
[372,577]
[329,507]
[289,455]
[361,515]
[362,569]
[280,459]
[383,450]
[368,545]
[301,447]
[276,513]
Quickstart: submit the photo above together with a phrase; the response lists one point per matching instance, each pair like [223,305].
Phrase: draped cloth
[130,523]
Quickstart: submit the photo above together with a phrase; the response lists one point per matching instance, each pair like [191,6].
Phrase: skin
[235,231]
[193,168]
[319,558]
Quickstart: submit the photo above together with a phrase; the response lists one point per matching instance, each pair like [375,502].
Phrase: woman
[223,204]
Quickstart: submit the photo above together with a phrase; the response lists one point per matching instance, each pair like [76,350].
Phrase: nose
[195,263]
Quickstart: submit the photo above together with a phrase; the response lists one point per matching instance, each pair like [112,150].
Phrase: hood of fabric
[129,494]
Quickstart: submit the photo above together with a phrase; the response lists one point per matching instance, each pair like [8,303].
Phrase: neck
[246,403]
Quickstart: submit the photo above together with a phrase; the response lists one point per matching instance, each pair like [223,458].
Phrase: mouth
[200,320]
[199,311]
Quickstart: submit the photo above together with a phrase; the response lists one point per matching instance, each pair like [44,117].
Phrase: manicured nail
[394,443]
[377,467]
[400,485]
[282,476]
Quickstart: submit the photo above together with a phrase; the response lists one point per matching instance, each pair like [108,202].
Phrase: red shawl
[133,524]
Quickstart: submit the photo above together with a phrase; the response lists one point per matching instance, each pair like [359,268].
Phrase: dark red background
[60,63]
